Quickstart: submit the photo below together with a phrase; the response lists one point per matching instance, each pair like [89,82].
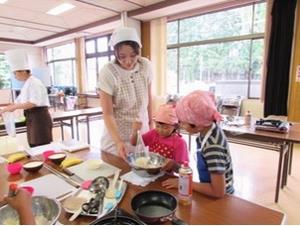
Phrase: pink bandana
[166,114]
[198,108]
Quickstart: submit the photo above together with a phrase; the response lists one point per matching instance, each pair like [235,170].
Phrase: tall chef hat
[124,34]
[17,59]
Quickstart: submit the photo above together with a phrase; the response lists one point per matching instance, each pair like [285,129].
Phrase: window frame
[251,37]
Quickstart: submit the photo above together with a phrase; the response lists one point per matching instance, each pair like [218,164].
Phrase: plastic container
[185,184]
[71,101]
[9,122]
[248,118]
[47,153]
[14,168]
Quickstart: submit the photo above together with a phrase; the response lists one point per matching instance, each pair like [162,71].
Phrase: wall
[256,107]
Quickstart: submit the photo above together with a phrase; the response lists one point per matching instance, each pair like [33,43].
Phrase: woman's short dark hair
[134,45]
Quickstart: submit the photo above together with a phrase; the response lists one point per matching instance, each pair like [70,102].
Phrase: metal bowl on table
[45,210]
[146,164]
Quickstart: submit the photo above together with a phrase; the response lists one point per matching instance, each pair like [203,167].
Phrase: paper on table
[40,149]
[73,145]
[135,179]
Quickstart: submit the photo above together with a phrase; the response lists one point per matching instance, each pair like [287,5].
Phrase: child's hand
[137,125]
[169,166]
[21,201]
[170,183]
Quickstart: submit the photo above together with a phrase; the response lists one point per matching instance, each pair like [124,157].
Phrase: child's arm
[137,125]
[216,188]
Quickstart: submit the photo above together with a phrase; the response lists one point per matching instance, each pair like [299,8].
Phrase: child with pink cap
[164,139]
[197,113]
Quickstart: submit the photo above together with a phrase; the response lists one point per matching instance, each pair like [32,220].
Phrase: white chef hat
[124,34]
[17,59]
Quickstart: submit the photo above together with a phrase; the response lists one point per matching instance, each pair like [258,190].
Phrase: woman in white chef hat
[33,99]
[125,91]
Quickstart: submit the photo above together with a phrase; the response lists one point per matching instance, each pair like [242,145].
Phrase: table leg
[62,130]
[88,129]
[279,172]
[285,165]
[291,157]
[77,127]
[72,127]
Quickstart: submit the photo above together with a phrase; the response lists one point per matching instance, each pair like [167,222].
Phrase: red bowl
[47,153]
[14,168]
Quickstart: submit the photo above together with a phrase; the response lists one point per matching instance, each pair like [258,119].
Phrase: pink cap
[166,114]
[198,108]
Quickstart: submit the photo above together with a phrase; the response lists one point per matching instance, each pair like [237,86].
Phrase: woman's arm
[110,122]
[13,107]
[150,106]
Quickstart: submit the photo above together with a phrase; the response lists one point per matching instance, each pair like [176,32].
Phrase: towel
[135,179]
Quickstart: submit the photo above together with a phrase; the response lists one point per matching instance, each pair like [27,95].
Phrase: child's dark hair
[176,129]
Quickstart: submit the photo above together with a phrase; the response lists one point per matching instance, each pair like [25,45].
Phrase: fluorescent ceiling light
[60,9]
[3,1]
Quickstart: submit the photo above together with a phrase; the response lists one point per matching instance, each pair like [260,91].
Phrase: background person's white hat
[17,59]
[124,34]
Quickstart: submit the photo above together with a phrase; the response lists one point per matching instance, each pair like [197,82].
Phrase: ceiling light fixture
[60,9]
[3,1]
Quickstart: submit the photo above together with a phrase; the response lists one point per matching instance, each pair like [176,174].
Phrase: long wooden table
[64,118]
[280,142]
[203,210]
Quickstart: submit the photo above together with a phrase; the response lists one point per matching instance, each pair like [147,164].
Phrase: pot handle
[177,221]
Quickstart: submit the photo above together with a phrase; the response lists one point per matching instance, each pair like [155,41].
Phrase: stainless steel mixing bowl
[46,211]
[154,165]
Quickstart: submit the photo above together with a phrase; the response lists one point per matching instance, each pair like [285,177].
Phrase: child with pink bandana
[197,113]
[164,139]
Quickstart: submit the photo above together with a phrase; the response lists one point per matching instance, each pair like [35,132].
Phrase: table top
[293,134]
[203,210]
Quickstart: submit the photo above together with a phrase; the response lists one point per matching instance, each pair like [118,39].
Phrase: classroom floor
[254,173]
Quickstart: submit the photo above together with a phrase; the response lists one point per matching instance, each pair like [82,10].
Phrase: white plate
[88,195]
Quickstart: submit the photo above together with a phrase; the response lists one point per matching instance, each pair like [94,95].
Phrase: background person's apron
[39,126]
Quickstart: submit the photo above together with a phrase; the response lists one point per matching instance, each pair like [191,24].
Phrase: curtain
[279,57]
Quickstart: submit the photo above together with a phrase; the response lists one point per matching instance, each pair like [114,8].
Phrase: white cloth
[129,90]
[135,179]
[34,92]
[17,59]
[124,34]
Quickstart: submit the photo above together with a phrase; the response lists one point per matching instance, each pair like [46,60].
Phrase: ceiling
[26,21]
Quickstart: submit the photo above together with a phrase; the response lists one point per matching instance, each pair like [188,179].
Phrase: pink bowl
[14,168]
[47,153]
[28,188]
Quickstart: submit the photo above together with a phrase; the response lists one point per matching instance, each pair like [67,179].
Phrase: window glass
[4,73]
[91,74]
[172,71]
[90,46]
[172,32]
[102,44]
[214,52]
[64,51]
[49,54]
[222,24]
[63,73]
[256,67]
[101,62]
[259,18]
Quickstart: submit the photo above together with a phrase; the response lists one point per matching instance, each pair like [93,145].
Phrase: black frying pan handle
[177,221]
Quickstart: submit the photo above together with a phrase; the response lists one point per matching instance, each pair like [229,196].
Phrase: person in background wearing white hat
[125,91]
[33,99]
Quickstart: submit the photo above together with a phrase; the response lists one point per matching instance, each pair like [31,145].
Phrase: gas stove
[118,217]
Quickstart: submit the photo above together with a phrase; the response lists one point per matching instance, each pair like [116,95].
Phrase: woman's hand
[121,148]
[137,125]
[170,183]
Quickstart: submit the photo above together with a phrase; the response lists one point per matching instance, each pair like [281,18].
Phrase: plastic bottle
[247,119]
[185,184]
